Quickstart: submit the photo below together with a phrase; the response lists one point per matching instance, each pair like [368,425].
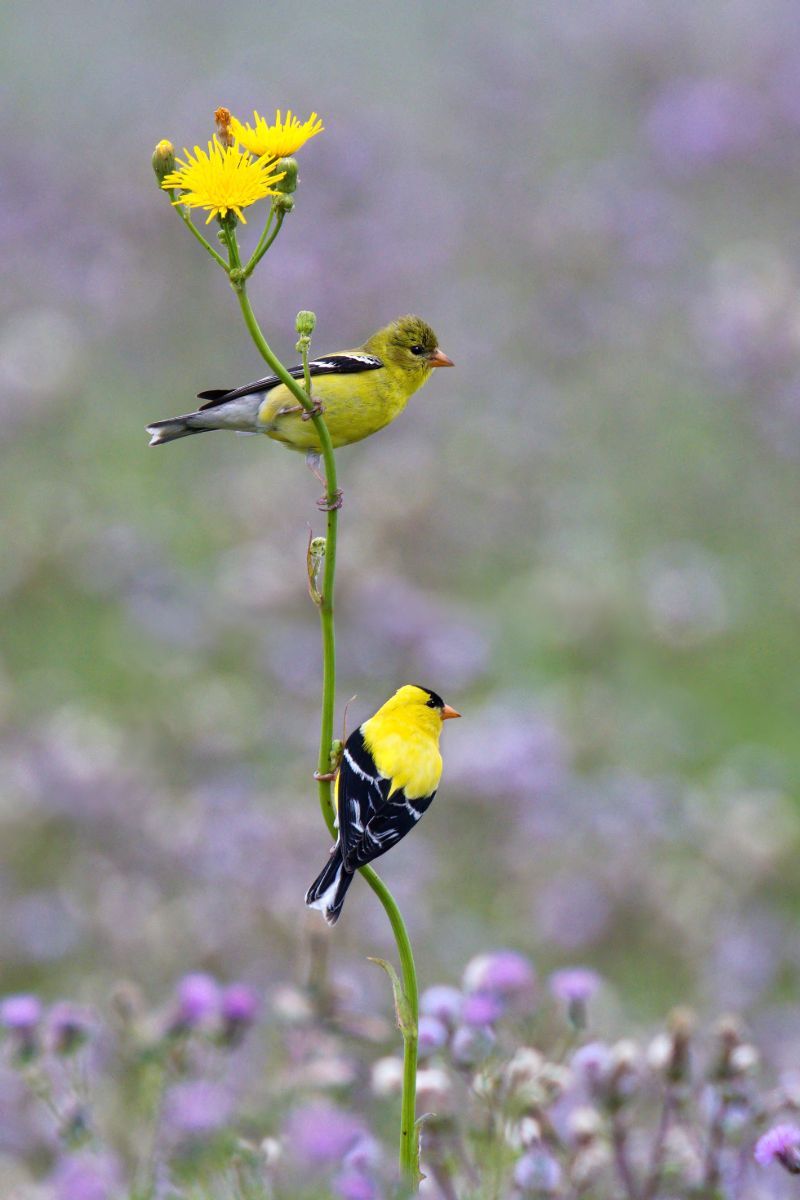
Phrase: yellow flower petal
[222,180]
[280,140]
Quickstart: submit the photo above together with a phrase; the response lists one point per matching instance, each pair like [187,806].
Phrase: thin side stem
[619,1141]
[264,244]
[190,225]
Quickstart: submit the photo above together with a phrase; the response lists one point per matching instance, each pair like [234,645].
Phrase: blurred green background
[585,537]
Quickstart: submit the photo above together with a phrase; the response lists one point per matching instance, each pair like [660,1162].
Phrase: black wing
[390,824]
[332,364]
[361,793]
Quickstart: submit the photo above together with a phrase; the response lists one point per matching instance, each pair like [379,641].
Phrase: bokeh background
[585,537]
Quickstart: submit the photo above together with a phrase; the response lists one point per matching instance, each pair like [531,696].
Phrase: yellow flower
[223,180]
[278,140]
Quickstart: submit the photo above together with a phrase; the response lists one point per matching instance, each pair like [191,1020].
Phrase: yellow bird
[388,777]
[359,391]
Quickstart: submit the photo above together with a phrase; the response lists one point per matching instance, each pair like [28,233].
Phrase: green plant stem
[409,1141]
[265,241]
[190,225]
[409,1137]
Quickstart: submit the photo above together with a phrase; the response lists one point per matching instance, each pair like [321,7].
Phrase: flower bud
[163,160]
[304,323]
[281,203]
[744,1059]
[585,1124]
[289,182]
[681,1023]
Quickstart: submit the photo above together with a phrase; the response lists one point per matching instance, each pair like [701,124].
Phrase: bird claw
[316,410]
[325,776]
[326,505]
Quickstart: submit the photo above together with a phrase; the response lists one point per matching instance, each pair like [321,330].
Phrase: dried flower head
[222,119]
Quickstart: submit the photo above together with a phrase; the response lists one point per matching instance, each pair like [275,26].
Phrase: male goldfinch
[389,774]
[359,392]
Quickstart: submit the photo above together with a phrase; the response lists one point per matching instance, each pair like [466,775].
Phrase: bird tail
[175,427]
[329,889]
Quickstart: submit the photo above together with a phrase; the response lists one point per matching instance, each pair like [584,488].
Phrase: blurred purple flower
[471,1045]
[537,1173]
[444,1003]
[239,1007]
[482,1008]
[695,123]
[68,1027]
[592,1065]
[21,1013]
[352,1184]
[320,1134]
[574,983]
[197,1107]
[781,1143]
[198,1001]
[364,1155]
[432,1035]
[503,973]
[86,1177]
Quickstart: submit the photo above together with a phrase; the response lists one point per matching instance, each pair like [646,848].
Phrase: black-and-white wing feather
[351,363]
[370,822]
[362,792]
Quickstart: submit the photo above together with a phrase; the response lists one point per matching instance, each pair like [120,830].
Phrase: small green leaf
[402,1007]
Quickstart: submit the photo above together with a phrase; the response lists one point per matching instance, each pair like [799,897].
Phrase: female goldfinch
[359,391]
[388,777]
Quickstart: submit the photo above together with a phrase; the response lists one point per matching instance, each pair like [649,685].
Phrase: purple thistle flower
[68,1027]
[239,1007]
[505,973]
[21,1014]
[593,1065]
[444,1003]
[482,1008]
[574,983]
[320,1134]
[432,1035]
[781,1143]
[198,1001]
[575,986]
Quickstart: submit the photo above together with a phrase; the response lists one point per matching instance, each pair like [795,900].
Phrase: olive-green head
[408,344]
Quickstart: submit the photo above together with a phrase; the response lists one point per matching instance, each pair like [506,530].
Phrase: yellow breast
[407,755]
[355,406]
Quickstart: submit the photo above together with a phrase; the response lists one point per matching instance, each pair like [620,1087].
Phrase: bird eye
[417,349]
[431,703]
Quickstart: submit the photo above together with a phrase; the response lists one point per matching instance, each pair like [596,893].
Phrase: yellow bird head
[408,345]
[418,707]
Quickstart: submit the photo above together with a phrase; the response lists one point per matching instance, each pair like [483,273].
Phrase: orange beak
[447,711]
[440,359]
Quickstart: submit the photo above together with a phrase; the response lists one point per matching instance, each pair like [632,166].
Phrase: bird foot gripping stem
[326,505]
[316,410]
